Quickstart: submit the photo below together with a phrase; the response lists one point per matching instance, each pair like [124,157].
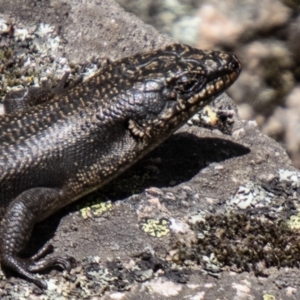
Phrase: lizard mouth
[213,85]
[218,82]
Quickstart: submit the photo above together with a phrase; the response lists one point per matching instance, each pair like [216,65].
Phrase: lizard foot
[26,267]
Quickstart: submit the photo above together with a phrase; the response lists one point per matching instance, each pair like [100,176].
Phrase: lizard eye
[186,84]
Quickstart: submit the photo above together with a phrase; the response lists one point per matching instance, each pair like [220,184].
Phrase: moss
[243,242]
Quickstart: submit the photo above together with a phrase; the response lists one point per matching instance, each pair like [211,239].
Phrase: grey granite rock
[182,223]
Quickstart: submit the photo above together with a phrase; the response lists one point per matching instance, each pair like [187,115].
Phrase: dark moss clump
[117,277]
[244,243]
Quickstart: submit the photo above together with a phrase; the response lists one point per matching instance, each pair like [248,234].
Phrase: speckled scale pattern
[58,151]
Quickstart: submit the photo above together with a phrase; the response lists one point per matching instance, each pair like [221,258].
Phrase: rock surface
[204,216]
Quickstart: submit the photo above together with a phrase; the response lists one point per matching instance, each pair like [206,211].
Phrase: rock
[184,221]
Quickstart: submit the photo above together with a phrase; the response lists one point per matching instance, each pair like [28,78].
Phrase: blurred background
[264,34]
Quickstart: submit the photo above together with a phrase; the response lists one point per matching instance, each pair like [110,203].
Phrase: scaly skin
[57,151]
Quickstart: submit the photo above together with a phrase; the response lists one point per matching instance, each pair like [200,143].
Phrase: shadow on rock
[177,160]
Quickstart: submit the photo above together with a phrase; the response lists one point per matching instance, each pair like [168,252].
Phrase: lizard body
[55,152]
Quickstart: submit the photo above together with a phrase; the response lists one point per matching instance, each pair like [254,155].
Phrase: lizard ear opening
[137,130]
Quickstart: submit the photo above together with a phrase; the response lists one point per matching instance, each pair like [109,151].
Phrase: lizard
[54,151]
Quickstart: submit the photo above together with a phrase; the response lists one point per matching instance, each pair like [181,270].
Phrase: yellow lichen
[157,228]
[95,210]
[269,297]
[294,222]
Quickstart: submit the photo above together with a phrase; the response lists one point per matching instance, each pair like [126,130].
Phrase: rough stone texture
[139,242]
[90,28]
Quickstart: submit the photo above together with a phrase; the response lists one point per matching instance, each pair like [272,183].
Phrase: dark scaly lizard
[58,151]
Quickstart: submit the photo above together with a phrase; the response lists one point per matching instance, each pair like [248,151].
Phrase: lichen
[95,209]
[156,228]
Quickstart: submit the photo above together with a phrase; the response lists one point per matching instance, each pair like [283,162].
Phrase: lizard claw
[41,265]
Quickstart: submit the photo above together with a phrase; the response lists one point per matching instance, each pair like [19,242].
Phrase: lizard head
[173,83]
[169,85]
